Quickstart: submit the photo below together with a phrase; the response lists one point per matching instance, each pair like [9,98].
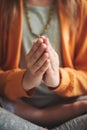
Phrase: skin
[42,60]
[52,116]
[37,64]
[42,63]
[51,77]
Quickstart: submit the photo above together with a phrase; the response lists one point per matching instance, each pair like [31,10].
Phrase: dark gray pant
[79,123]
[9,121]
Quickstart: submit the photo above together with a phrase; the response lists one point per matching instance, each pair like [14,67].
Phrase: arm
[50,117]
[15,83]
[11,83]
[72,77]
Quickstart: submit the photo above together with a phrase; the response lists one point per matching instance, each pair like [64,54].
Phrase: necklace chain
[45,30]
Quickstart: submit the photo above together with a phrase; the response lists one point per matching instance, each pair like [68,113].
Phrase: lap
[79,123]
[9,121]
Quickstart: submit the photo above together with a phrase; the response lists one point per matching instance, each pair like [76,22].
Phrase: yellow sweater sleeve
[73,81]
[11,84]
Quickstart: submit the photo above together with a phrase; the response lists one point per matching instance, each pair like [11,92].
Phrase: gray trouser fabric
[79,123]
[9,121]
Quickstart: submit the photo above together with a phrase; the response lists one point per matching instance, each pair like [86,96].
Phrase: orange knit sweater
[74,51]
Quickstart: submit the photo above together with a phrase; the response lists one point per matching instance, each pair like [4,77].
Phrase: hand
[37,64]
[51,76]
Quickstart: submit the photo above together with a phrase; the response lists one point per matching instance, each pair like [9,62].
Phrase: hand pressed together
[42,64]
[37,64]
[51,76]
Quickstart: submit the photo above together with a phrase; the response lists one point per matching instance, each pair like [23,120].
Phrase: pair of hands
[42,64]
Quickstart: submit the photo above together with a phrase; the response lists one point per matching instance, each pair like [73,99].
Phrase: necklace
[45,30]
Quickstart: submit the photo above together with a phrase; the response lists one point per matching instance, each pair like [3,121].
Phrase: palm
[51,77]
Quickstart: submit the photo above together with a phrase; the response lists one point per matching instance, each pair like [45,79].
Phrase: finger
[34,47]
[50,48]
[44,39]
[36,55]
[40,62]
[44,68]
[40,40]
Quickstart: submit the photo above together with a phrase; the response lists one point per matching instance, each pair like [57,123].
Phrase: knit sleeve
[11,84]
[73,81]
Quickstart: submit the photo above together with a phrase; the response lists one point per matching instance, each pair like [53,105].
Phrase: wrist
[26,83]
[56,82]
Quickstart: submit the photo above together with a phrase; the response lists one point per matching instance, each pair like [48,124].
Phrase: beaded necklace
[45,30]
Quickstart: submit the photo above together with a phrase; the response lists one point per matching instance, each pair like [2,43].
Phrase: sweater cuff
[64,84]
[14,87]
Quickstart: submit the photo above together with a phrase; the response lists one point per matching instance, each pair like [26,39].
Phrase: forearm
[24,110]
[53,116]
[57,115]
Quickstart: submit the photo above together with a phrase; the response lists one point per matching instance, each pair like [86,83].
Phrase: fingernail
[40,40]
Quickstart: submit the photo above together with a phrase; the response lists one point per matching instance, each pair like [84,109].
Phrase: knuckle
[41,70]
[32,70]
[37,65]
[42,47]
[34,57]
[44,57]
[40,40]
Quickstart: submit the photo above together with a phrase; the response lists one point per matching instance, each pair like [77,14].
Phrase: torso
[38,16]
